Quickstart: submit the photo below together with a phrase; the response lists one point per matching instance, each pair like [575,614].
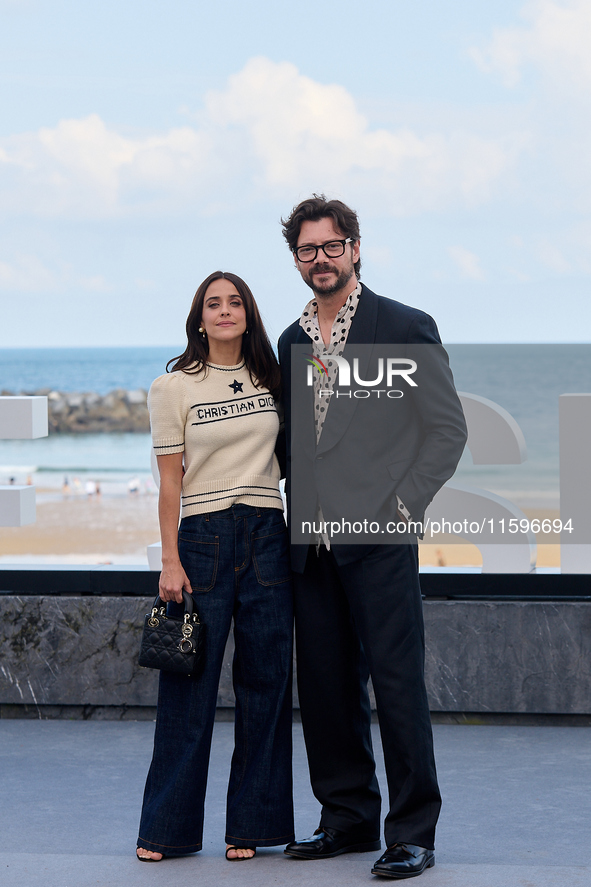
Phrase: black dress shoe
[328,842]
[404,861]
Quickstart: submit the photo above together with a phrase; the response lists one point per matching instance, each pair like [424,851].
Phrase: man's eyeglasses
[332,249]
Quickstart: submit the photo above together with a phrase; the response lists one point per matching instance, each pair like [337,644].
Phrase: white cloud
[467,262]
[28,273]
[553,178]
[379,255]
[94,284]
[557,39]
[309,135]
[552,257]
[519,275]
[82,168]
[273,131]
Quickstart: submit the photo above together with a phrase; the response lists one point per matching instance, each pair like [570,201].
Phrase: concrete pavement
[517,808]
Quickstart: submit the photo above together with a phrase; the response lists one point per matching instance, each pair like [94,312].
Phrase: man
[358,606]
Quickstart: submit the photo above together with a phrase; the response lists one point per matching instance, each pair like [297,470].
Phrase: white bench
[21,418]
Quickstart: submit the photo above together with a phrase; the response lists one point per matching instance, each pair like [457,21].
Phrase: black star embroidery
[236,386]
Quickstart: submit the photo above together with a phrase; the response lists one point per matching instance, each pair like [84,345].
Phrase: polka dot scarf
[338,339]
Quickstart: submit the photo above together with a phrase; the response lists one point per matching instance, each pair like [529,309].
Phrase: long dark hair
[259,358]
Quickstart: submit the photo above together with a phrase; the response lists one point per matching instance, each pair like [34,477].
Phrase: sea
[525,380]
[117,462]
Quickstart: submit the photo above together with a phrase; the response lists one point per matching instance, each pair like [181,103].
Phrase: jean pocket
[270,556]
[200,556]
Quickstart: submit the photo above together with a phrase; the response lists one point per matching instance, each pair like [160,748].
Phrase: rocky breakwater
[74,412]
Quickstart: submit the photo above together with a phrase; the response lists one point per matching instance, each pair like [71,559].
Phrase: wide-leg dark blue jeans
[237,563]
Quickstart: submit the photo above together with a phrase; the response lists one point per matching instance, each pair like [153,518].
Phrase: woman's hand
[173,580]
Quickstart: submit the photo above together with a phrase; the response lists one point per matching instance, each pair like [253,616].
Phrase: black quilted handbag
[173,643]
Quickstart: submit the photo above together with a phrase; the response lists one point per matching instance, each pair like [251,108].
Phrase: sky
[144,145]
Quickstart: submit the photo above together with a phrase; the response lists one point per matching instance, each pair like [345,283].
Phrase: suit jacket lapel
[364,326]
[304,433]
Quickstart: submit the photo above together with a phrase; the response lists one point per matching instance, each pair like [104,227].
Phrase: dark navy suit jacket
[370,451]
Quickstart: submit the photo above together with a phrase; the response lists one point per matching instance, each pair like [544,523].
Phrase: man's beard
[342,278]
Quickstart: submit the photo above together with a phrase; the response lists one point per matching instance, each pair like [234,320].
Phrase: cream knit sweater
[226,429]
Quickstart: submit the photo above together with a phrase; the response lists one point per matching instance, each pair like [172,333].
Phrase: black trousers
[355,620]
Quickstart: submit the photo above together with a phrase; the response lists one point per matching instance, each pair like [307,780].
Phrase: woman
[214,428]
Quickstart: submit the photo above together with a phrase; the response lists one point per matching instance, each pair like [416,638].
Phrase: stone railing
[75,412]
[70,642]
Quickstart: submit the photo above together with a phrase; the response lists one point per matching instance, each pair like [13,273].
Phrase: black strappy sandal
[239,858]
[147,858]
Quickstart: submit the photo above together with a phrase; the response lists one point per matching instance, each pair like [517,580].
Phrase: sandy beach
[117,529]
[445,553]
[81,529]
[466,555]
